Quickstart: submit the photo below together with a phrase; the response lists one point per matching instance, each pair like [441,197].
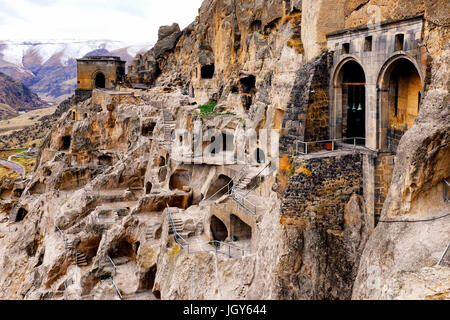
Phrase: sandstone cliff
[93,221]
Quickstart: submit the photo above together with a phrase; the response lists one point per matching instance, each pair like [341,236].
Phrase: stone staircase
[244,182]
[179,225]
[79,258]
[169,126]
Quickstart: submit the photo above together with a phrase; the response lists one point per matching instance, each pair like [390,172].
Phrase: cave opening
[21,214]
[217,186]
[239,229]
[123,248]
[148,187]
[207,72]
[218,229]
[66,141]
[147,129]
[248,84]
[179,179]
[147,283]
[105,160]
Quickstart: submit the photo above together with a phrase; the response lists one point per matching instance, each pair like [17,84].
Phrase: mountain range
[49,67]
[16,97]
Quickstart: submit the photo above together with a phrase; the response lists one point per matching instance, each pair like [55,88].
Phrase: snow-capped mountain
[49,67]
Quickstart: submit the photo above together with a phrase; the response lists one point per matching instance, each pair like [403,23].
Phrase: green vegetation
[207,111]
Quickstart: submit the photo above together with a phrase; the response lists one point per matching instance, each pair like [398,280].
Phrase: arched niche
[400,91]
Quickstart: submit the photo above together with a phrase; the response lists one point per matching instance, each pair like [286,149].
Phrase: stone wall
[384,166]
[325,228]
[306,117]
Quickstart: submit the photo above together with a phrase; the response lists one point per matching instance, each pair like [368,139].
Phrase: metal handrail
[333,141]
[235,196]
[216,249]
[443,255]
[445,184]
[117,289]
[176,236]
[235,178]
[113,264]
[259,173]
[187,245]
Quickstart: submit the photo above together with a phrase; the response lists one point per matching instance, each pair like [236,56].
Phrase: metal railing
[444,254]
[117,289]
[244,202]
[333,142]
[113,264]
[217,248]
[445,185]
[217,244]
[229,185]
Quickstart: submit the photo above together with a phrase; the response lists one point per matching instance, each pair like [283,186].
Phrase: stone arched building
[99,72]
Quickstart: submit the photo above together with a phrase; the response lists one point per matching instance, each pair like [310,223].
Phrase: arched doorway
[218,229]
[400,94]
[350,101]
[100,80]
[217,187]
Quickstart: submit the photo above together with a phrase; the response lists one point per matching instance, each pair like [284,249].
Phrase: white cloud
[135,21]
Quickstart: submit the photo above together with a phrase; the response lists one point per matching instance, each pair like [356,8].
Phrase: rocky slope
[49,67]
[17,95]
[108,178]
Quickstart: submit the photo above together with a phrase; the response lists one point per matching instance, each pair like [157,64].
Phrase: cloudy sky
[132,21]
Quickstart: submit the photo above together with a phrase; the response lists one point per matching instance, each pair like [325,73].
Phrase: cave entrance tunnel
[247,84]
[207,71]
[240,231]
[148,187]
[105,160]
[217,185]
[353,101]
[124,248]
[21,214]
[147,129]
[147,282]
[100,80]
[66,141]
[400,100]
[89,246]
[221,142]
[179,179]
[218,229]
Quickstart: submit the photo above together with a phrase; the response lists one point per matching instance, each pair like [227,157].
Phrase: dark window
[345,48]
[207,71]
[399,42]
[66,142]
[368,44]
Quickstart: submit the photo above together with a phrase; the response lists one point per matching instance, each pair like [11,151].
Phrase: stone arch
[99,80]
[219,230]
[400,87]
[180,179]
[240,231]
[217,185]
[349,112]
[148,187]
[260,156]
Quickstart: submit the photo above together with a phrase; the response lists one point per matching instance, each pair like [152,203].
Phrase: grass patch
[207,111]
[27,163]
